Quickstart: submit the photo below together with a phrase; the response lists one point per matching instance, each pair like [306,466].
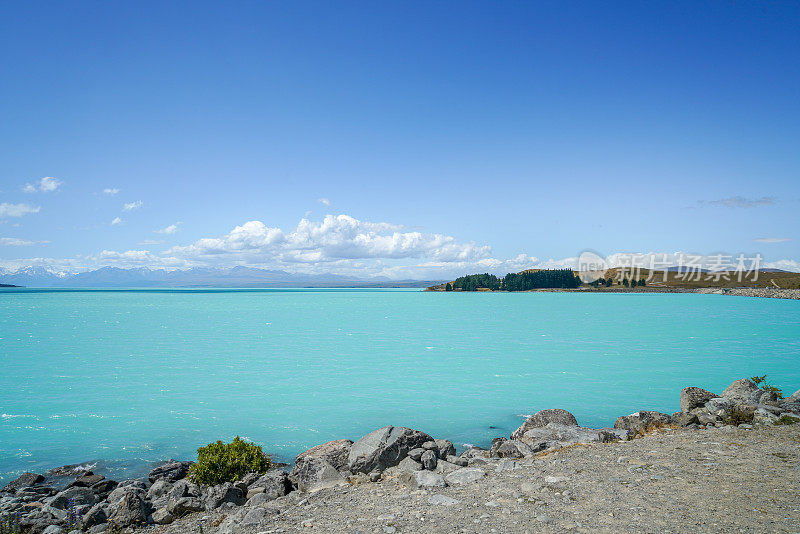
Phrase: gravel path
[718,480]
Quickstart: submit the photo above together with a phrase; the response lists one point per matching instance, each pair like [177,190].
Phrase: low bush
[787,420]
[739,415]
[227,462]
[761,382]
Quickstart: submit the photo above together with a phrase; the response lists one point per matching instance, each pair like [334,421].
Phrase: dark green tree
[448,287]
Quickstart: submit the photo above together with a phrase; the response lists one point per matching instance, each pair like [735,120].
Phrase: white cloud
[130,206]
[324,200]
[335,238]
[45,185]
[742,202]
[116,221]
[14,242]
[169,230]
[111,191]
[771,239]
[149,242]
[16,210]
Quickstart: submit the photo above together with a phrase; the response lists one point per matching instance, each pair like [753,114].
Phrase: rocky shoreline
[550,474]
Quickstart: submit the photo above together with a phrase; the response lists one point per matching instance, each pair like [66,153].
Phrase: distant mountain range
[195,277]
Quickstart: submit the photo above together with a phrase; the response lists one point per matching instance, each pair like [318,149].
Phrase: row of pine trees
[524,281]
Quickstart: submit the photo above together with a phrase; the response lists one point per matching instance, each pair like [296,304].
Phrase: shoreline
[390,459]
[760,292]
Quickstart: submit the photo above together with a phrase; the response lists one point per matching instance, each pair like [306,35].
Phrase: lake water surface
[125,378]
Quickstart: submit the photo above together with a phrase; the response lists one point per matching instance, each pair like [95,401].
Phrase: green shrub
[228,462]
[740,415]
[761,382]
[9,524]
[787,420]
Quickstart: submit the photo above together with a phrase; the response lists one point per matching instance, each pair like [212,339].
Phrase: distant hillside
[685,279]
[195,277]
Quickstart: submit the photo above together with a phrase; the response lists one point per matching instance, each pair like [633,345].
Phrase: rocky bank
[724,462]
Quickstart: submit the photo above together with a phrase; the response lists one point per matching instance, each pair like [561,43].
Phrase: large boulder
[172,471]
[793,398]
[336,453]
[25,480]
[275,483]
[446,448]
[640,422]
[512,448]
[693,397]
[316,474]
[130,510]
[741,391]
[216,496]
[543,418]
[384,448]
[97,515]
[73,497]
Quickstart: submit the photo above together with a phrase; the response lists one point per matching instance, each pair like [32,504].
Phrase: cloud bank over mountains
[338,244]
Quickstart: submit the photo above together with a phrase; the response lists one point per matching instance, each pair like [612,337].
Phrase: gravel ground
[676,480]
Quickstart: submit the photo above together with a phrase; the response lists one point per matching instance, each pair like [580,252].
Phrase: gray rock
[465,475]
[416,454]
[557,436]
[443,467]
[160,488]
[184,505]
[256,516]
[685,419]
[162,516]
[793,398]
[276,483]
[53,529]
[104,487]
[407,464]
[513,449]
[130,510]
[543,418]
[172,471]
[429,460]
[507,464]
[72,497]
[474,452]
[768,397]
[430,446]
[764,417]
[457,460]
[317,474]
[704,417]
[640,421]
[258,499]
[25,480]
[693,397]
[741,390]
[423,479]
[384,448]
[97,515]
[442,500]
[446,448]
[719,405]
[216,496]
[335,452]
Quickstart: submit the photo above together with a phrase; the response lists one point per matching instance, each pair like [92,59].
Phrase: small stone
[442,500]
[465,475]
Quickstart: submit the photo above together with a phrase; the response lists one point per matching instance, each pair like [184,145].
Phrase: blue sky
[442,136]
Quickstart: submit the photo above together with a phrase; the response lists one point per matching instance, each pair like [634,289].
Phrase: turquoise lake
[125,378]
